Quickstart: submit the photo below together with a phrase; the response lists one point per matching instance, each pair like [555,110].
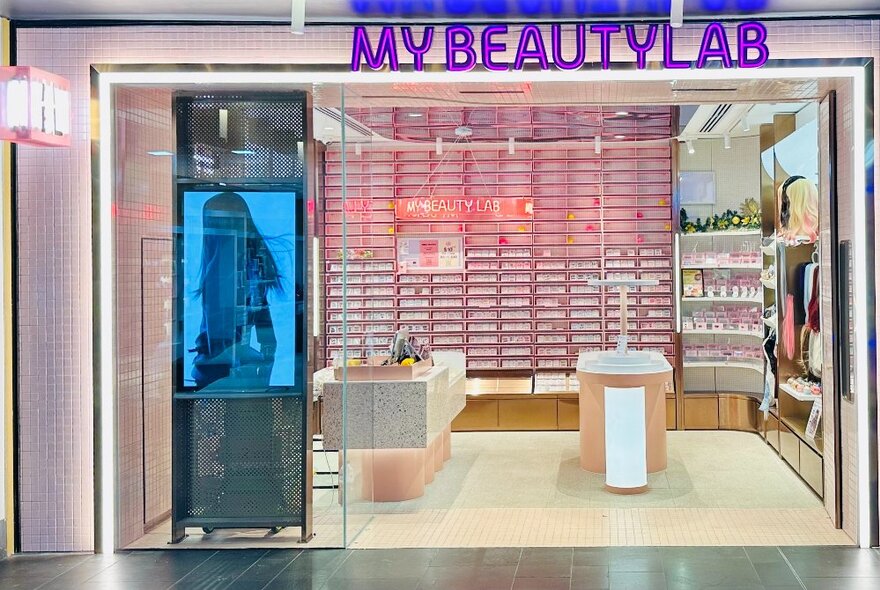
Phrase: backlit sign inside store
[464,208]
[34,107]
[465,48]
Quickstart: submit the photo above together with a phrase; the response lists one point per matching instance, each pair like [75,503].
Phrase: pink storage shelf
[522,300]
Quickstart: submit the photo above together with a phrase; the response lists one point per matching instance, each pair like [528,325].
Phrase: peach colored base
[592,416]
[394,475]
[430,463]
[438,452]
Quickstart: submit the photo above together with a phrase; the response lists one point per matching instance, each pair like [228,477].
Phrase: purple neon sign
[465,47]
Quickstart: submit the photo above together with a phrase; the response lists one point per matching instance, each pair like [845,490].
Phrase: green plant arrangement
[748,217]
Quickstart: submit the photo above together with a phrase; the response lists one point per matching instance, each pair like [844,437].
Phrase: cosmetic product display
[514,280]
[750,259]
[722,322]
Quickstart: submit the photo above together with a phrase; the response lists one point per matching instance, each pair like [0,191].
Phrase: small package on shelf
[482,339]
[516,290]
[516,314]
[482,315]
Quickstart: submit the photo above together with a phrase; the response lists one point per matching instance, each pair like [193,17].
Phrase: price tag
[815,418]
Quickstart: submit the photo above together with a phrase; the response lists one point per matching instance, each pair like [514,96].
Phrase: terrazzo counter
[398,432]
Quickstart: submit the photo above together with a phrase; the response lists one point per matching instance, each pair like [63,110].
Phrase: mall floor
[526,489]
[630,568]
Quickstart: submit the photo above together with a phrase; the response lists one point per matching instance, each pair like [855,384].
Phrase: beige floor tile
[512,489]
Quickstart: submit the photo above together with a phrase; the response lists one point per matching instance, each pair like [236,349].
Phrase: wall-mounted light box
[34,107]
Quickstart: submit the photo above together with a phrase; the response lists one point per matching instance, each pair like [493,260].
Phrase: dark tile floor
[636,568]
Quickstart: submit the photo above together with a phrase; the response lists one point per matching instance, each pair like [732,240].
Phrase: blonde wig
[799,210]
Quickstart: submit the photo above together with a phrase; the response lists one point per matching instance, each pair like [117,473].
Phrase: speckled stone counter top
[392,414]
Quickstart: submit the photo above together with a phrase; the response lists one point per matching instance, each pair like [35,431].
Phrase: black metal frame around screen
[182,391]
[296,398]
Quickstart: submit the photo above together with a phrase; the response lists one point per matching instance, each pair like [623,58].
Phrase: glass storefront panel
[449,257]
[213,217]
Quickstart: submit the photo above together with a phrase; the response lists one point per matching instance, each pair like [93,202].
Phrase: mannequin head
[799,209]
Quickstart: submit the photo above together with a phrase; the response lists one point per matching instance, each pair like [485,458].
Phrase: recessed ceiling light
[160,153]
[244,152]
[414,115]
[620,137]
[622,113]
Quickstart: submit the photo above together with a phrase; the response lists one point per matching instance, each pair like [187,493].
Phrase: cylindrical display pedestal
[601,377]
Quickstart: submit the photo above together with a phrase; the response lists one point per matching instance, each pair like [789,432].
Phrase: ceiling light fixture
[597,144]
[676,13]
[160,153]
[622,113]
[298,17]
[744,123]
[511,146]
[244,152]
[727,141]
[690,146]
[620,137]
[414,115]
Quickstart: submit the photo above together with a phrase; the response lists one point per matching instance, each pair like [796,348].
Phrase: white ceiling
[339,10]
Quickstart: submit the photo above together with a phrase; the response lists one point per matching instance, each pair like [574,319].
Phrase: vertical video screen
[239,290]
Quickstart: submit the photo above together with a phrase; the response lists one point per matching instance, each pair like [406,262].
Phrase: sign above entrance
[464,208]
[466,47]
[34,107]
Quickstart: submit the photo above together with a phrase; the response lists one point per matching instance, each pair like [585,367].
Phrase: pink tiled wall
[143,291]
[54,231]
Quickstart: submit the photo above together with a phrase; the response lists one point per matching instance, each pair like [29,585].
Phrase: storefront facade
[63,371]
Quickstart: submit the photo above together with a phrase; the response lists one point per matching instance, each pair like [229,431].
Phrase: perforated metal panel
[241,458]
[244,459]
[236,138]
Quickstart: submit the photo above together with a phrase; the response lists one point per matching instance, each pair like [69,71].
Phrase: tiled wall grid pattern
[847,231]
[54,298]
[522,299]
[143,291]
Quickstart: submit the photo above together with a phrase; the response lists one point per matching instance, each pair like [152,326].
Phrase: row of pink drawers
[525,360]
[594,228]
[622,238]
[487,115]
[360,199]
[632,179]
[498,166]
[575,219]
[576,325]
[656,298]
[565,294]
[545,258]
[615,152]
